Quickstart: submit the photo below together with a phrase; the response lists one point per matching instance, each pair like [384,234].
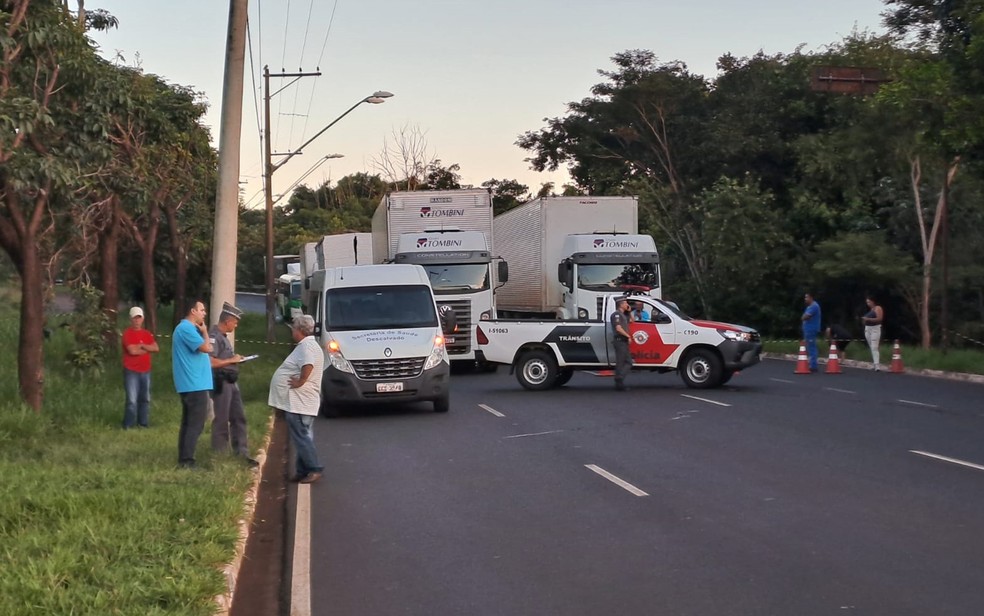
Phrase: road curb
[230,571]
[964,377]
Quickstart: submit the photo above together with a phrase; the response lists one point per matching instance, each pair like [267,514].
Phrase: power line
[324,45]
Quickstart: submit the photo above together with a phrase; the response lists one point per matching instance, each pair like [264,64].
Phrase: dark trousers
[194,409]
[230,420]
[623,360]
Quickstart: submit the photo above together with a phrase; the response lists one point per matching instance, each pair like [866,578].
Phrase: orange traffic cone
[833,360]
[896,366]
[802,363]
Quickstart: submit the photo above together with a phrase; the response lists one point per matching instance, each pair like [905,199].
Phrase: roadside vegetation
[98,520]
[967,360]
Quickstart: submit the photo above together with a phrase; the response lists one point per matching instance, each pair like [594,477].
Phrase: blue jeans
[301,431]
[811,347]
[136,385]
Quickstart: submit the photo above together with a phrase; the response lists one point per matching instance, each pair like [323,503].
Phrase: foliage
[92,330]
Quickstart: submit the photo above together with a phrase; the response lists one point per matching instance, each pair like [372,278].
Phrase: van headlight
[338,361]
[438,354]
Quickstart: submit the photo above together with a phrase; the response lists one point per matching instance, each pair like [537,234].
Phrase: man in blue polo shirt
[811,328]
[192,379]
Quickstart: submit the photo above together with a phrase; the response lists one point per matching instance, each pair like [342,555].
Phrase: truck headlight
[437,355]
[736,336]
[338,361]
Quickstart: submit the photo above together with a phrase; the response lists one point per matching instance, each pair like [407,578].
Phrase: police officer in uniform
[229,423]
[620,332]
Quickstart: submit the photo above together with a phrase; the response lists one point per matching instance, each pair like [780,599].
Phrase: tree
[506,194]
[46,65]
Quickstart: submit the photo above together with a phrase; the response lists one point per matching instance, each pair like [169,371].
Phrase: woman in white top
[296,389]
[873,329]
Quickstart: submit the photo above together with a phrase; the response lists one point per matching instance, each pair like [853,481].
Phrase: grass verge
[968,361]
[98,520]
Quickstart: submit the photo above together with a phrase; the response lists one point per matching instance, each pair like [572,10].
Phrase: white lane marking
[533,434]
[491,410]
[931,406]
[946,459]
[683,415]
[705,400]
[625,485]
[840,391]
[782,380]
[300,571]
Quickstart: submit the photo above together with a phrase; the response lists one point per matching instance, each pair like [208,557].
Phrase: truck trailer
[568,254]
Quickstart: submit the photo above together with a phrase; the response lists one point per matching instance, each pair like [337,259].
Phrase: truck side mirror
[449,320]
[565,273]
[502,272]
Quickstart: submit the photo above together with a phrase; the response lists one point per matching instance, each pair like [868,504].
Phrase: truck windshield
[458,278]
[612,277]
[386,307]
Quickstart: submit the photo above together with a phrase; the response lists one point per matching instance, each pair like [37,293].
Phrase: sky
[470,76]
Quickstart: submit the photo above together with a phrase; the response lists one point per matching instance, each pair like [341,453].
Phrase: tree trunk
[180,264]
[19,238]
[925,333]
[109,247]
[30,354]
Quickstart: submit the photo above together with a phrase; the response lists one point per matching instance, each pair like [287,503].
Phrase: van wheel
[536,370]
[563,377]
[442,405]
[701,369]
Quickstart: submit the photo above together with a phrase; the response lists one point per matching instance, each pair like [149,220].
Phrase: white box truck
[567,254]
[383,337]
[449,233]
[343,249]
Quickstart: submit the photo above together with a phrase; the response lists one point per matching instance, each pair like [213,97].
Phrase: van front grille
[378,369]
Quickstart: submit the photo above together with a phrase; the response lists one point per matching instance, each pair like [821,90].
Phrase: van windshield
[383,307]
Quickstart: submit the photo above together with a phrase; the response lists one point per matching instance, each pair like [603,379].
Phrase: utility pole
[268,192]
[226,233]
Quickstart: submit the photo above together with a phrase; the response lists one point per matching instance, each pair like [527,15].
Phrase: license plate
[448,340]
[387,388]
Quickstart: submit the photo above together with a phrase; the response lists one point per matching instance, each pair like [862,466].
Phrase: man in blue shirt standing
[811,328]
[192,379]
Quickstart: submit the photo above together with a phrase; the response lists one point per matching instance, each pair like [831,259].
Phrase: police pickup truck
[545,354]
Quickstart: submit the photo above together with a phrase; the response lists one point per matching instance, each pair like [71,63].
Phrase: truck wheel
[701,369]
[563,376]
[536,370]
[442,405]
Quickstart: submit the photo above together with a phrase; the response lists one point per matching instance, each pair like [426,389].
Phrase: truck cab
[383,337]
[459,268]
[600,265]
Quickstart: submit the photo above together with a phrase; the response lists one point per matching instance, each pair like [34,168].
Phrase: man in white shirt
[296,390]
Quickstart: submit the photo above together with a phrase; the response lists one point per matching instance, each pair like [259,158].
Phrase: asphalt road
[779,494]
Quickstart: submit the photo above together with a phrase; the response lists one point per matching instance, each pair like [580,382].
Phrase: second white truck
[568,254]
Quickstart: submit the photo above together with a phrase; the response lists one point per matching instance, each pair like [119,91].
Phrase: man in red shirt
[138,344]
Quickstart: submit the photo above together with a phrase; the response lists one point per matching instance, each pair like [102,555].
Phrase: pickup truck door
[653,342]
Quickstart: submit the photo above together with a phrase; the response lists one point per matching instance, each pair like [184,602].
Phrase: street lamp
[375,98]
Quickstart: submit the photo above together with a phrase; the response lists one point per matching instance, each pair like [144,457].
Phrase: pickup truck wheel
[701,369]
[563,376]
[442,405]
[536,370]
